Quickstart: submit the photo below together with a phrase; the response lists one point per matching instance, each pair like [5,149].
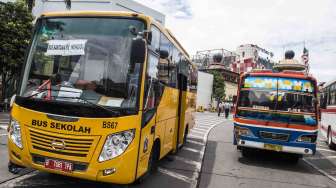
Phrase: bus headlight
[116,144]
[15,133]
[307,138]
[242,131]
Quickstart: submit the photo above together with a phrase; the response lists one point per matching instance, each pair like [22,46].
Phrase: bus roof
[327,84]
[286,74]
[148,19]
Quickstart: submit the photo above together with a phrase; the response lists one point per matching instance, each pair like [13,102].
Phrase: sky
[276,25]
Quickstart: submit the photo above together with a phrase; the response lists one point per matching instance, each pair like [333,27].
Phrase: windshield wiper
[91,103]
[43,90]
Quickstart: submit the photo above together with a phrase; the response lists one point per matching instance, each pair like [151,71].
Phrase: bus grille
[274,136]
[75,147]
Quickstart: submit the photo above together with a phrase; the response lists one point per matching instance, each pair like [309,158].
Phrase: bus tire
[154,158]
[152,163]
[330,142]
[246,152]
[294,158]
[185,136]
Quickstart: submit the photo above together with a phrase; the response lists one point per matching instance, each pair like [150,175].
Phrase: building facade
[249,57]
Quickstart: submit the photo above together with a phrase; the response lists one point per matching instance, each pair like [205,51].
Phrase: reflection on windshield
[84,58]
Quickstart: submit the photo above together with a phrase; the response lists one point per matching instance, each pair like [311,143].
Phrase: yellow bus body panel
[41,136]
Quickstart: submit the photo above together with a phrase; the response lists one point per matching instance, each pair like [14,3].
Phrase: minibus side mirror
[138,50]
[164,54]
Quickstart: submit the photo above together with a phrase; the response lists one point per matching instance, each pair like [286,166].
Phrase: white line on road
[176,175]
[5,134]
[200,129]
[190,162]
[195,142]
[195,137]
[3,127]
[196,134]
[194,150]
[322,157]
[320,170]
[323,149]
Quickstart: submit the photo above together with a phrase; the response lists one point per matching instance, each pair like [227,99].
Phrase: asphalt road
[216,163]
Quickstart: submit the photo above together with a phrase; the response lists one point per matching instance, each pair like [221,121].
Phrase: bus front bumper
[122,173]
[279,148]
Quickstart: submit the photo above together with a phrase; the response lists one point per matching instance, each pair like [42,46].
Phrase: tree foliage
[15,32]
[218,88]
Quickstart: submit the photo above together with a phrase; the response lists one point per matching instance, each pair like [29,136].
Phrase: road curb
[204,150]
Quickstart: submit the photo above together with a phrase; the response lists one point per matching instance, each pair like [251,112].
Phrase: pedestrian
[220,106]
[227,107]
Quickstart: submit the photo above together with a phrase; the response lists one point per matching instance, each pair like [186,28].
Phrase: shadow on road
[275,160]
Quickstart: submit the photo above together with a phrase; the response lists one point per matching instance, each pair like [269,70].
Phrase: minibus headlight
[15,133]
[116,144]
[242,131]
[307,138]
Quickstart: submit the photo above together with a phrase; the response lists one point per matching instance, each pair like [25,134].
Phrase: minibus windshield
[287,100]
[80,59]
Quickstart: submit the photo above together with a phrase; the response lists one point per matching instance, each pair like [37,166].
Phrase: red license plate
[58,165]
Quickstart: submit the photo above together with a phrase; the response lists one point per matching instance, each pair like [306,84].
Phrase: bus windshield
[79,60]
[287,100]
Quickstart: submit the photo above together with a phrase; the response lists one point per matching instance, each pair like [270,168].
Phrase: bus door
[182,85]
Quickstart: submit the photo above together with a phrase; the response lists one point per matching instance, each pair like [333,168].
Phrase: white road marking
[13,182]
[323,149]
[195,142]
[199,129]
[3,127]
[190,162]
[196,134]
[176,175]
[193,150]
[195,137]
[320,170]
[5,134]
[322,157]
[204,127]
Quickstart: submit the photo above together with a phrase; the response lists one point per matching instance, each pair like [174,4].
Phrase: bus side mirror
[164,54]
[138,50]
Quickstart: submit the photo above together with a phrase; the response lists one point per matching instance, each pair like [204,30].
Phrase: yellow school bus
[103,96]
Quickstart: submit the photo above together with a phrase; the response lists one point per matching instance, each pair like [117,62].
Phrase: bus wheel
[294,159]
[246,152]
[185,137]
[330,141]
[153,159]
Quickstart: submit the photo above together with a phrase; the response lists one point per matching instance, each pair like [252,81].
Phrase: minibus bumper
[282,148]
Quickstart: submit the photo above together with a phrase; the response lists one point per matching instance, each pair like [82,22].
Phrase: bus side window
[151,79]
[173,67]
[155,43]
[165,48]
[153,87]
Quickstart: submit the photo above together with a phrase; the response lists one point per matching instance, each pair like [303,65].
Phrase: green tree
[15,32]
[218,88]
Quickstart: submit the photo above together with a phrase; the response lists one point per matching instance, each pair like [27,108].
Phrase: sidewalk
[4,120]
